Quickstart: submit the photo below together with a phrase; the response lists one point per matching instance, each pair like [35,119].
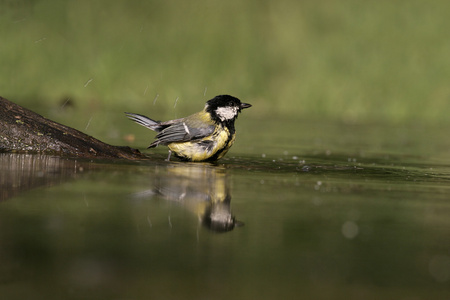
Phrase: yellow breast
[212,147]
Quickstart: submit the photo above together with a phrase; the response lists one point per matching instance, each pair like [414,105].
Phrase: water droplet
[87,82]
[350,229]
[306,168]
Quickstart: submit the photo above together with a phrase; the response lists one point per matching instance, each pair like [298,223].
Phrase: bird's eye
[230,103]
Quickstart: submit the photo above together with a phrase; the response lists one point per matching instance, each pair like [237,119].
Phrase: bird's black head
[225,108]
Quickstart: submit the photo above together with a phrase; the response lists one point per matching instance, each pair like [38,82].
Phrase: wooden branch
[22,130]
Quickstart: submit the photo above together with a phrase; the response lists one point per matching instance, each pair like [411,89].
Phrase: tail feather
[145,121]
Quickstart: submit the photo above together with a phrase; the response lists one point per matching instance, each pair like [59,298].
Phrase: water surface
[341,212]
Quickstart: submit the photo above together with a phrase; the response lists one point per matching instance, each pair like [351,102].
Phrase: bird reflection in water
[202,189]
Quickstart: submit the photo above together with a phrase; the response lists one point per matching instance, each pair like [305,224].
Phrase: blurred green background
[352,60]
[349,123]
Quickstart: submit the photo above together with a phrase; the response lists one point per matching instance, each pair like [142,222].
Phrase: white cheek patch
[226,113]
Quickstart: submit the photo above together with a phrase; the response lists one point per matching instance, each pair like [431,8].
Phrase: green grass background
[349,60]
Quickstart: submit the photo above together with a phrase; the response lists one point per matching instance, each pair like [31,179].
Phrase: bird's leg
[168,157]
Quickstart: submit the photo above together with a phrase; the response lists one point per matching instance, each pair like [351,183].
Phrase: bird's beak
[245,105]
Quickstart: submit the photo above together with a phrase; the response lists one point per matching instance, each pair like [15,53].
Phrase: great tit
[203,136]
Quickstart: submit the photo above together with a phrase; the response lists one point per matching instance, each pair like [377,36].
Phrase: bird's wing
[183,131]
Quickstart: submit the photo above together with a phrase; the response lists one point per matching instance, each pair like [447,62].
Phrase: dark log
[24,131]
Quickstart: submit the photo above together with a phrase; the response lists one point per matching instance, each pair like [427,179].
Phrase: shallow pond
[316,211]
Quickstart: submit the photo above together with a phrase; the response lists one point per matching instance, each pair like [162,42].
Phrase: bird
[204,136]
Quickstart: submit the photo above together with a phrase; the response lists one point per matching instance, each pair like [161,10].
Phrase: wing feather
[181,132]
[184,130]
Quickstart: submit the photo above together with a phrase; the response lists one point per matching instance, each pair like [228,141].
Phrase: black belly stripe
[225,147]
